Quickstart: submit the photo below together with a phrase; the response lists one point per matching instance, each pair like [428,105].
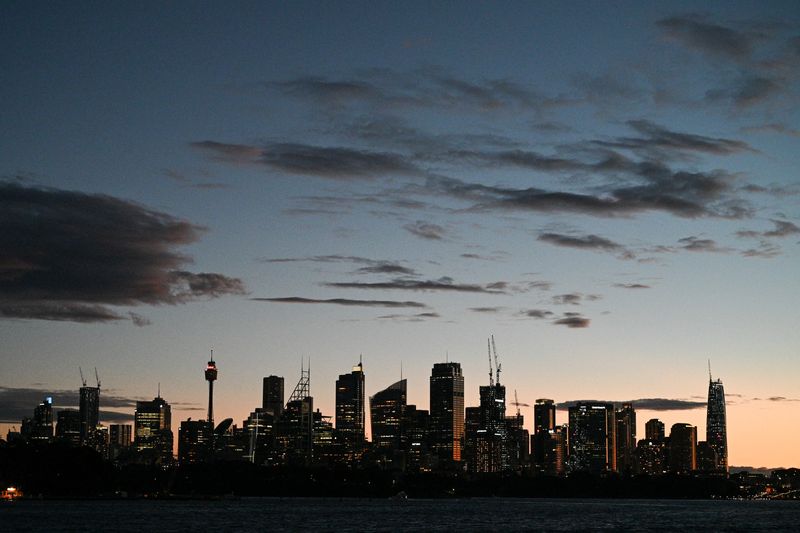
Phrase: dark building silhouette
[194,441]
[651,457]
[447,411]
[492,454]
[548,442]
[592,438]
[119,439]
[416,430]
[517,442]
[682,449]
[152,423]
[272,395]
[350,418]
[40,427]
[707,460]
[68,426]
[89,415]
[626,438]
[716,426]
[387,412]
[472,423]
[544,415]
[295,427]
[654,430]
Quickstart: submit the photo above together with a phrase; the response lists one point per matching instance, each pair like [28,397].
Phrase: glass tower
[716,428]
[447,410]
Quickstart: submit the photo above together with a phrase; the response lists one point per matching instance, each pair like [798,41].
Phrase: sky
[610,189]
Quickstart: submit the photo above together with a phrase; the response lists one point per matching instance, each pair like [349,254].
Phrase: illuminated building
[592,438]
[349,416]
[682,448]
[89,415]
[152,429]
[472,422]
[707,460]
[387,409]
[447,410]
[295,435]
[68,426]
[716,428]
[272,395]
[626,439]
[651,457]
[119,439]
[194,441]
[517,442]
[417,438]
[492,435]
[547,442]
[654,430]
[40,428]
[544,415]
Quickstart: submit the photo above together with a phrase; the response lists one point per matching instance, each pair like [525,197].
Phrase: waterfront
[334,514]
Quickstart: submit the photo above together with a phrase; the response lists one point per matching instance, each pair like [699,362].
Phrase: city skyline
[611,190]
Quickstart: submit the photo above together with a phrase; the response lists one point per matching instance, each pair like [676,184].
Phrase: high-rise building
[626,439]
[153,429]
[492,454]
[654,430]
[518,442]
[90,415]
[682,449]
[651,457]
[417,438]
[472,423]
[119,439]
[544,415]
[716,427]
[592,438]
[68,426]
[42,423]
[349,416]
[387,411]
[295,428]
[272,395]
[194,441]
[447,410]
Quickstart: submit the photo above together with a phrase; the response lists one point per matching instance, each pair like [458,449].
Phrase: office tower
[626,439]
[592,438]
[544,415]
[90,414]
[194,441]
[654,430]
[387,409]
[152,423]
[716,428]
[417,438]
[119,439]
[68,426]
[325,448]
[42,423]
[349,416]
[295,435]
[261,428]
[211,377]
[682,448]
[447,410]
[272,397]
[472,423]
[707,460]
[517,442]
[492,449]
[651,456]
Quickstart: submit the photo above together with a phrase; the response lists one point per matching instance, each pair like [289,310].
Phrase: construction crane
[97,378]
[491,373]
[518,403]
[497,365]
[83,379]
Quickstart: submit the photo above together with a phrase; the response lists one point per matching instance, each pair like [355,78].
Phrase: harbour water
[331,514]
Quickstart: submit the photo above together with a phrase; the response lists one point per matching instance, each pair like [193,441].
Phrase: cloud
[372,266]
[647,404]
[307,160]
[696,244]
[67,255]
[442,284]
[536,313]
[572,320]
[567,299]
[783,228]
[746,91]
[425,230]
[486,309]
[419,317]
[707,37]
[773,127]
[631,286]
[764,250]
[341,301]
[586,242]
[655,138]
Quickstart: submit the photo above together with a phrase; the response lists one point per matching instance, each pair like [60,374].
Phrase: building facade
[447,411]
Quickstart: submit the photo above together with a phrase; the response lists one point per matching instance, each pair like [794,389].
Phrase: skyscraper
[447,410]
[654,430]
[592,437]
[491,446]
[682,448]
[152,423]
[89,414]
[626,438]
[68,426]
[387,410]
[194,441]
[272,395]
[349,417]
[544,415]
[211,377]
[716,428]
[42,429]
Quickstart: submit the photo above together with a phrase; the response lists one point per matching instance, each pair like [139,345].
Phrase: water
[479,514]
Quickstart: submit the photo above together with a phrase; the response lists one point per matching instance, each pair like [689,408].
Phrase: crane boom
[497,365]
[83,379]
[491,374]
[97,377]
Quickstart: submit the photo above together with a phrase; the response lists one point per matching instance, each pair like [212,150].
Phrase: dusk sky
[611,189]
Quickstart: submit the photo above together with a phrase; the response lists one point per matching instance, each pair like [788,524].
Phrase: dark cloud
[419,317]
[67,255]
[307,160]
[696,244]
[372,266]
[442,284]
[568,299]
[341,301]
[425,230]
[536,313]
[631,286]
[657,139]
[764,250]
[774,127]
[746,91]
[783,228]
[486,309]
[696,33]
[586,242]
[647,404]
[572,320]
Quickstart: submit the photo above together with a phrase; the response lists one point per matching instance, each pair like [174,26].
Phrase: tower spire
[709,370]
